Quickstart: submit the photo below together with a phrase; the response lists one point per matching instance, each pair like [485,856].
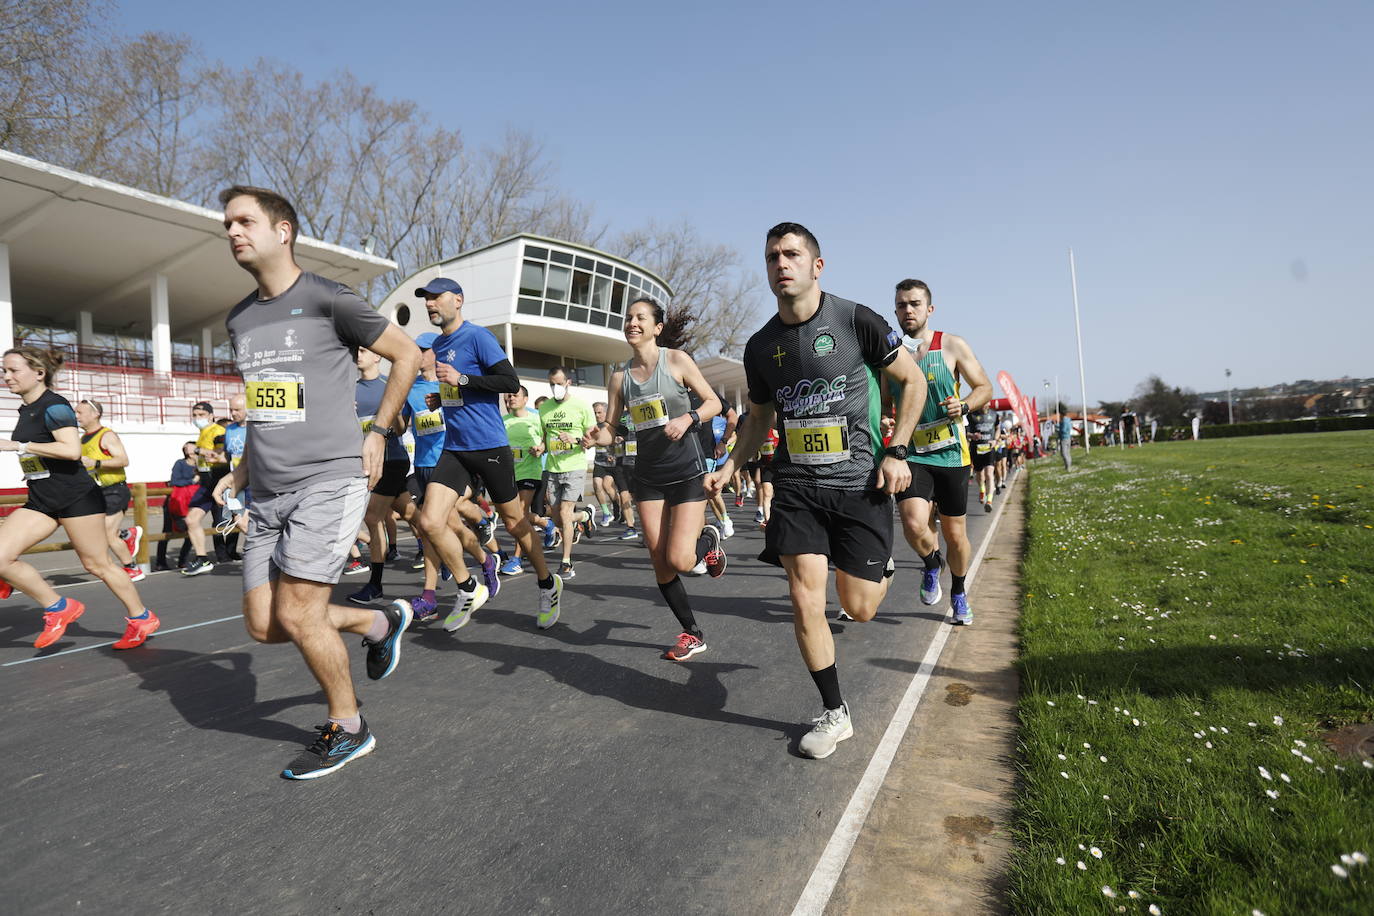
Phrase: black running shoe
[392,554]
[383,655]
[330,751]
[198,566]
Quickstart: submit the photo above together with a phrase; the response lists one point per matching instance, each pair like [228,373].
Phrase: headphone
[282,235]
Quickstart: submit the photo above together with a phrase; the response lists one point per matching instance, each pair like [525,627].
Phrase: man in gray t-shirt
[307,462]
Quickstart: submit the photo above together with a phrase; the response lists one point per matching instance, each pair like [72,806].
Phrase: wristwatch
[896,451]
[696,417]
[462,380]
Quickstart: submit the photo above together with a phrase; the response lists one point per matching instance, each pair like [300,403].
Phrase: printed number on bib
[275,397]
[33,467]
[517,455]
[631,448]
[365,423]
[817,440]
[558,445]
[649,412]
[983,448]
[450,395]
[429,422]
[932,437]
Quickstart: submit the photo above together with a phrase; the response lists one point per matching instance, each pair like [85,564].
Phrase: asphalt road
[517,771]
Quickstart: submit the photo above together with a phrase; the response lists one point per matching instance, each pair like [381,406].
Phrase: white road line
[101,645]
[816,895]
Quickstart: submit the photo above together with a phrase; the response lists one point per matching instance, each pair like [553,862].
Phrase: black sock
[828,683]
[932,561]
[546,583]
[376,579]
[469,584]
[957,586]
[675,593]
[703,545]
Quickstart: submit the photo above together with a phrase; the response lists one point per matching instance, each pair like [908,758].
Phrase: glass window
[592,374]
[601,293]
[617,297]
[562,257]
[585,263]
[581,287]
[554,310]
[599,319]
[603,268]
[577,314]
[532,279]
[615,322]
[559,278]
[622,274]
[532,251]
[529,306]
[636,281]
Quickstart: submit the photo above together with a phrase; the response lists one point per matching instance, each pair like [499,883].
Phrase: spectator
[184,481]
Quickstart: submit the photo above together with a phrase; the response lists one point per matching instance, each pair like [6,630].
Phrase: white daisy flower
[1155,910]
[1080,866]
[1339,871]
[1107,891]
[1265,773]
[1360,858]
[1284,777]
[1058,860]
[1095,853]
[1272,793]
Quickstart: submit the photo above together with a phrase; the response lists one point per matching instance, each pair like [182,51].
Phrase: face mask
[559,392]
[201,422]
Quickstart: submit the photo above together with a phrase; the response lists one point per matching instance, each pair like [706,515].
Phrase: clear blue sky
[1210,163]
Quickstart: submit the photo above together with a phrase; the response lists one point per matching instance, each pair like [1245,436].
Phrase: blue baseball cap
[426,340]
[440,285]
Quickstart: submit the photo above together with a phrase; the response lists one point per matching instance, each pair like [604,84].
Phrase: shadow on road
[216,691]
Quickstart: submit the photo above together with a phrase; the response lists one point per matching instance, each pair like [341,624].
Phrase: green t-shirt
[574,417]
[523,433]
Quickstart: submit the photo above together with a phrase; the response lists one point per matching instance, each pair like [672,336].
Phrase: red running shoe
[132,538]
[5,589]
[686,646]
[55,623]
[138,631]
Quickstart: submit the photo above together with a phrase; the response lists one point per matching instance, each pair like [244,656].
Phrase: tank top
[651,404]
[91,448]
[55,480]
[938,440]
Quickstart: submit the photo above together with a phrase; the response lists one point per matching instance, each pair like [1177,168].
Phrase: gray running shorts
[565,487]
[305,533]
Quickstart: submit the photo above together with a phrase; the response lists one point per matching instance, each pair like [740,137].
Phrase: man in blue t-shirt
[473,372]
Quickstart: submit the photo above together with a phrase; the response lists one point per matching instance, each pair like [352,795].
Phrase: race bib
[817,440]
[429,422]
[518,454]
[366,424]
[984,448]
[932,437]
[649,412]
[558,445]
[33,467]
[275,397]
[631,448]
[450,395]
[203,465]
[768,448]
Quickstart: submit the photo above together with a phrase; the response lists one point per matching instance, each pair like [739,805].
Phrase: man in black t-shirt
[814,366]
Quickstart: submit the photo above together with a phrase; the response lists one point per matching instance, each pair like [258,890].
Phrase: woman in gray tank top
[666,480]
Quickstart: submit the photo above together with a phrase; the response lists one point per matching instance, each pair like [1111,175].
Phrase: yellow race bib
[275,397]
[429,422]
[933,436]
[649,412]
[366,424]
[33,467]
[450,395]
[817,440]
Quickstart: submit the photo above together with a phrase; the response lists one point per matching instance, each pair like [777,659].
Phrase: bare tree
[41,44]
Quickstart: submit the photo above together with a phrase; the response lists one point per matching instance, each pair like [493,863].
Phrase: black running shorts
[673,494]
[116,497]
[392,483]
[853,529]
[494,468]
[68,504]
[948,487]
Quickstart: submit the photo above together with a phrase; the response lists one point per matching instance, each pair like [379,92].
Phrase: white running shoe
[549,601]
[468,603]
[832,727]
[727,527]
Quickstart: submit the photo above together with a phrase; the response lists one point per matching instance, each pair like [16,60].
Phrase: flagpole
[1082,379]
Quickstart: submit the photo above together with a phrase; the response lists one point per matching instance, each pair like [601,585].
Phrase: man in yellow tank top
[104,456]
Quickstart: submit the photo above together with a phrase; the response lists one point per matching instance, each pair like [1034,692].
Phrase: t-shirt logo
[823,344]
[779,355]
[450,355]
[289,341]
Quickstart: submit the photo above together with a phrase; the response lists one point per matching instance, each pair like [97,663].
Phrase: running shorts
[672,494]
[116,497]
[466,472]
[305,533]
[943,485]
[854,529]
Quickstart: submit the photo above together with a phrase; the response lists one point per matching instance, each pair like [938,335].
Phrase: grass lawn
[1196,616]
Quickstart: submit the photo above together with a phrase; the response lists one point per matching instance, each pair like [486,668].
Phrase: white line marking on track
[816,895]
[101,645]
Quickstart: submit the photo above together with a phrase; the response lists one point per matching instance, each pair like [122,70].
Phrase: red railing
[136,395]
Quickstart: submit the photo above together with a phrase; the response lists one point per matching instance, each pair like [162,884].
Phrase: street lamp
[1230,418]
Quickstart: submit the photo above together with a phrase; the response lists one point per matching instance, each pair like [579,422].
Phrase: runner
[715,439]
[103,455]
[308,465]
[982,435]
[526,438]
[213,466]
[235,439]
[626,456]
[389,493]
[939,453]
[568,426]
[61,492]
[603,472]
[667,480]
[473,372]
[815,364]
[424,412]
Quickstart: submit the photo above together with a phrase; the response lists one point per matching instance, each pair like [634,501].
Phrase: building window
[622,274]
[585,263]
[599,319]
[603,268]
[615,322]
[554,310]
[529,307]
[581,287]
[577,314]
[618,298]
[532,279]
[601,293]
[532,251]
[558,282]
[561,257]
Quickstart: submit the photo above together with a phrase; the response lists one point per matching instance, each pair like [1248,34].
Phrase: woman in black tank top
[61,492]
[667,476]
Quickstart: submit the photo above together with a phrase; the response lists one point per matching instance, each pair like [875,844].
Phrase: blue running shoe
[512,567]
[385,654]
[445,573]
[629,535]
[930,586]
[549,532]
[423,610]
[330,751]
[367,594]
[489,574]
[962,615]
